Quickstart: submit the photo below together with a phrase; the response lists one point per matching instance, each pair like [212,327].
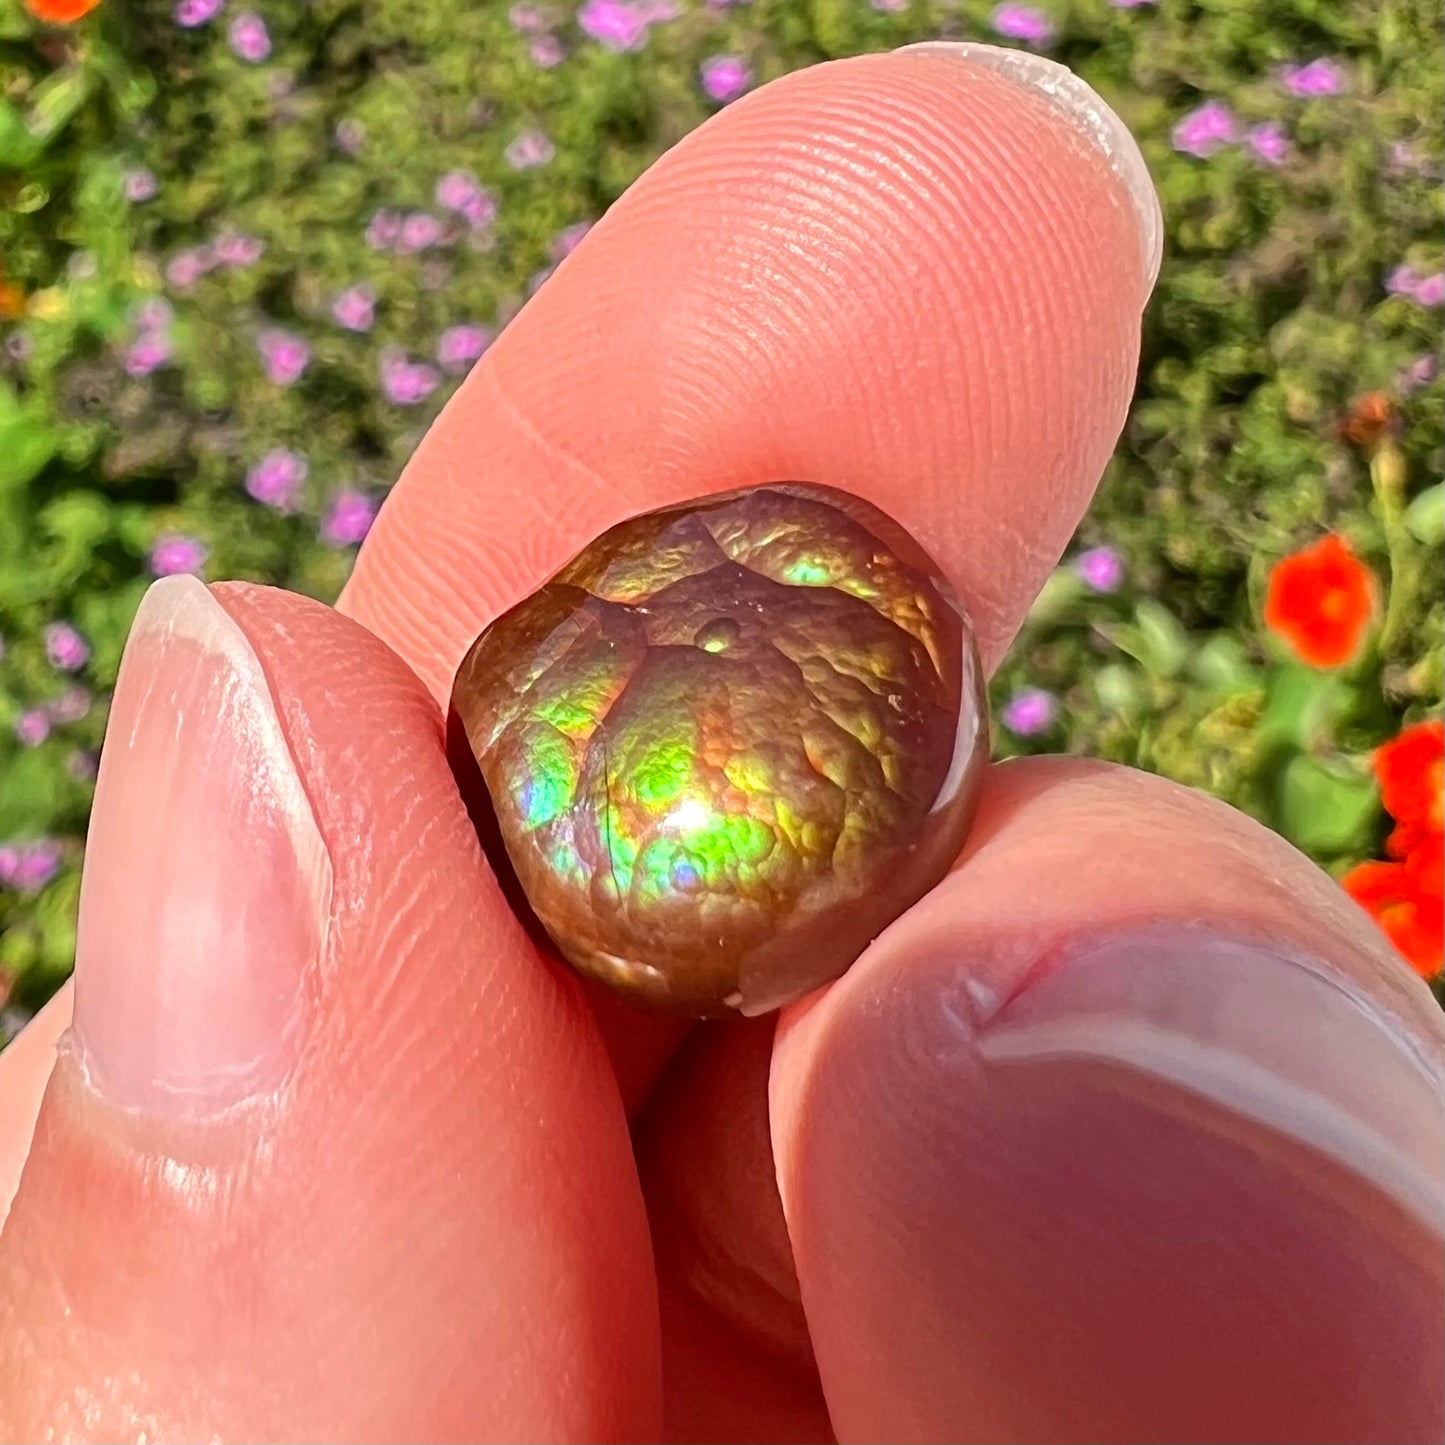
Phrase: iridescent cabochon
[729,743]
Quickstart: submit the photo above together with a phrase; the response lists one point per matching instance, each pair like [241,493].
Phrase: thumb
[295,1174]
[1130,1130]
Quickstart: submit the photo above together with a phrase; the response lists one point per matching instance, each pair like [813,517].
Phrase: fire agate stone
[729,743]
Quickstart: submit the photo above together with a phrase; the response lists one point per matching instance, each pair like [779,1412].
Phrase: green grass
[1272,315]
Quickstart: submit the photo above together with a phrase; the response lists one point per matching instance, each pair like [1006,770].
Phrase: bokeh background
[249,247]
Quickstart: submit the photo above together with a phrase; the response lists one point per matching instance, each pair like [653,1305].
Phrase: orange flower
[1368,420]
[60,12]
[1410,916]
[12,300]
[1411,773]
[1320,602]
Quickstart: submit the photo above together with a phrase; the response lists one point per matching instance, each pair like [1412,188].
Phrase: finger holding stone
[1132,1129]
[295,1172]
[917,277]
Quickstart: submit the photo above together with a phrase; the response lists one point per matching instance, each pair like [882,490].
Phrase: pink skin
[1129,1130]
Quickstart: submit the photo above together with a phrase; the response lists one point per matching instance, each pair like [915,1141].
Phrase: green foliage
[1271,317]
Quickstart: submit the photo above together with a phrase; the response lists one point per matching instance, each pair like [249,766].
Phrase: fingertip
[1083,108]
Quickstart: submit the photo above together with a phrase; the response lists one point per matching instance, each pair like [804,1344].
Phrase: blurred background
[248,248]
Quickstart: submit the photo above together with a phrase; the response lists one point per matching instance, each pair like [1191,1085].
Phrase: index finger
[917,276]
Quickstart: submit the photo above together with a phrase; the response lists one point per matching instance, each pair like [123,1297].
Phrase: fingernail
[207,886]
[1086,110]
[1262,1032]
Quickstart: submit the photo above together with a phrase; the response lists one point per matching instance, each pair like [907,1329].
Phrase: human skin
[1129,1130]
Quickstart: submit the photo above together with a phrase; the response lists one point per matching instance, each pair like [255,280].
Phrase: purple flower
[175,553]
[546,51]
[1206,129]
[348,518]
[32,727]
[1029,712]
[28,867]
[1404,160]
[148,352]
[1023,22]
[67,650]
[404,381]
[1420,372]
[191,13]
[276,479]
[153,314]
[1101,568]
[284,355]
[18,346]
[459,346]
[457,190]
[1402,281]
[526,18]
[382,230]
[355,308]
[1319,77]
[725,77]
[530,149]
[1268,143]
[565,241]
[614,24]
[419,231]
[232,249]
[185,268]
[1430,290]
[350,136]
[249,38]
[1407,281]
[70,706]
[480,210]
[139,184]
[890,7]
[82,765]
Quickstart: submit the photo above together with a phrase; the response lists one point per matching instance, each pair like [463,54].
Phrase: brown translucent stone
[728,744]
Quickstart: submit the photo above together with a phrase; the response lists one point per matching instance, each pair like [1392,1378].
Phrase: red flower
[1425,863]
[1411,773]
[1320,602]
[1410,916]
[1407,896]
[60,12]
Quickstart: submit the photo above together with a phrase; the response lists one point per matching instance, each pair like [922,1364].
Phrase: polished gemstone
[729,743]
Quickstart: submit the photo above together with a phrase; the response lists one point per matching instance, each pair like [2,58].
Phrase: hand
[1130,1130]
